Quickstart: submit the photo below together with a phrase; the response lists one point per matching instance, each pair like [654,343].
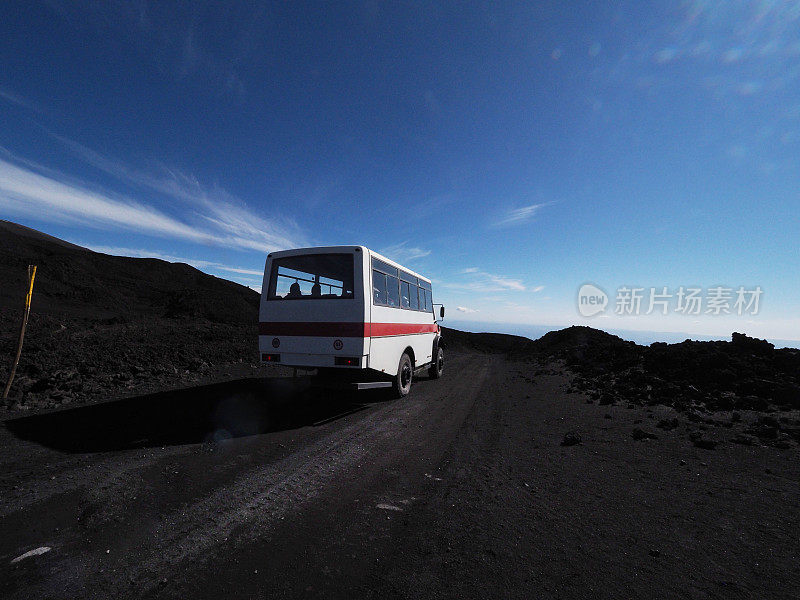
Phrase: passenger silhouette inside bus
[294,291]
[311,277]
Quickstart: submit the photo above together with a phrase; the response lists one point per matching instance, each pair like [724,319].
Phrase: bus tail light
[347,361]
[270,357]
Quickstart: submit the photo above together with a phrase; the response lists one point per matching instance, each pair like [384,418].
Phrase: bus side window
[414,301]
[378,287]
[405,294]
[392,291]
[423,299]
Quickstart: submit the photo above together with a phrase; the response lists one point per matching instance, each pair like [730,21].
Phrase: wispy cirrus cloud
[32,190]
[476,280]
[218,207]
[521,214]
[403,252]
[24,191]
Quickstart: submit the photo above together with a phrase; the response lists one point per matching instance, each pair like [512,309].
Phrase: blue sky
[510,151]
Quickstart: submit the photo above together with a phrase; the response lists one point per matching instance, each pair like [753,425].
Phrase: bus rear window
[311,276]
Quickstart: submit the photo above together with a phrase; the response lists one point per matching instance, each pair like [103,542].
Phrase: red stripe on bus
[386,329]
[344,329]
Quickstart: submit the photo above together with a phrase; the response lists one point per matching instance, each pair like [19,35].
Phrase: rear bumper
[311,361]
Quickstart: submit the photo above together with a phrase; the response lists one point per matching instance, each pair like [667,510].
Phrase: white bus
[349,312]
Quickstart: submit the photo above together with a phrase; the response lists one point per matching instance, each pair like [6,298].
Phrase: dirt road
[260,488]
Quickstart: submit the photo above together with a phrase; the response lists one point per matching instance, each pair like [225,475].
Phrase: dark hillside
[743,374]
[77,282]
[106,326]
[590,350]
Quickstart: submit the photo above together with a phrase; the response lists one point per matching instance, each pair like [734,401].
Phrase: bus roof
[335,249]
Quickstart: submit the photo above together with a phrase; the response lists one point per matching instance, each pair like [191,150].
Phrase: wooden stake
[28,297]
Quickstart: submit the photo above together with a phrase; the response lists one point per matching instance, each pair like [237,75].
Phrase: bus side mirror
[440,311]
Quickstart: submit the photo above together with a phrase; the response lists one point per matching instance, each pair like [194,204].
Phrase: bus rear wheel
[437,367]
[405,373]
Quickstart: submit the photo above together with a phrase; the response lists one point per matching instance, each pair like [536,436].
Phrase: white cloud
[402,252]
[520,215]
[236,269]
[481,281]
[505,282]
[538,288]
[464,309]
[24,191]
[32,190]
[220,208]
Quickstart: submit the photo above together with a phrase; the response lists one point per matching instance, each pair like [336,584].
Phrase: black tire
[405,373]
[437,367]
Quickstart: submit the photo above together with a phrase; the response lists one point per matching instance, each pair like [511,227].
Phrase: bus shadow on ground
[206,413]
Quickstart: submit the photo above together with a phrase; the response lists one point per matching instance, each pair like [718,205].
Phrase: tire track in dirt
[260,508]
[244,509]
[347,523]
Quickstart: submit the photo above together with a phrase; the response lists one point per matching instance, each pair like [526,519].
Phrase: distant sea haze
[640,337]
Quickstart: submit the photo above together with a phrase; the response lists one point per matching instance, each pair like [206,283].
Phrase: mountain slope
[105,327]
[72,280]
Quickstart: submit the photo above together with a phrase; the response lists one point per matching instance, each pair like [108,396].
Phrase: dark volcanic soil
[745,373]
[68,360]
[707,383]
[465,489]
[107,326]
